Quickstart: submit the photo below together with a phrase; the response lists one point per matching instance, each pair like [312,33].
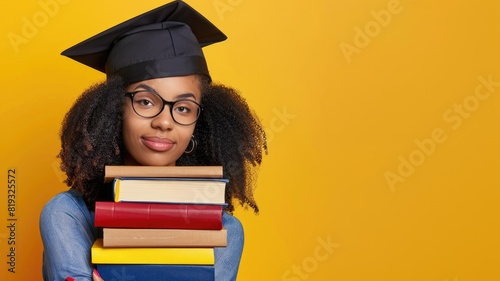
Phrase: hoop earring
[193,143]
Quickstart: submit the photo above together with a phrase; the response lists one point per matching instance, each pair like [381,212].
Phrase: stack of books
[163,224]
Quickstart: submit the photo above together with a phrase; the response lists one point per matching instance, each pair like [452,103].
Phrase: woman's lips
[158,144]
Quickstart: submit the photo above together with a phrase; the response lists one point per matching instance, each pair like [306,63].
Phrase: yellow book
[193,256]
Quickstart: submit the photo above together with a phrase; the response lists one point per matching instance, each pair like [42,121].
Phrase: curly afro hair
[228,134]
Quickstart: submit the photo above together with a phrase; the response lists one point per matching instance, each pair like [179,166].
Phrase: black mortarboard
[163,42]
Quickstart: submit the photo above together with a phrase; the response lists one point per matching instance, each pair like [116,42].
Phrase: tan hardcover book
[141,237]
[111,172]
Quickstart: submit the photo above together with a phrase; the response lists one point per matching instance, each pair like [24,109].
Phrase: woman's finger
[96,276]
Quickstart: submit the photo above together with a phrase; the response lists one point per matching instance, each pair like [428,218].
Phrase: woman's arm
[67,231]
[227,259]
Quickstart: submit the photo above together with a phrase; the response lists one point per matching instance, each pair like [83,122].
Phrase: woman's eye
[144,103]
[185,107]
[182,109]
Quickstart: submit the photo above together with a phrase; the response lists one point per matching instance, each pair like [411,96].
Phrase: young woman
[157,107]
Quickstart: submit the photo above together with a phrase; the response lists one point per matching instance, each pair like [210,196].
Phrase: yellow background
[350,93]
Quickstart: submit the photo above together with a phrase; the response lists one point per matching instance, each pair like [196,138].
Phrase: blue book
[156,272]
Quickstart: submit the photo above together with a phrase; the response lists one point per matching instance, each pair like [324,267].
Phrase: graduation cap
[163,42]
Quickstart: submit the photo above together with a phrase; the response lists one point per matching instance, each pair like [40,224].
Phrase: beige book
[140,237]
[111,172]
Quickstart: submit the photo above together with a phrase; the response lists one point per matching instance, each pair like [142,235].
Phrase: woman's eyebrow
[146,87]
[152,90]
[185,96]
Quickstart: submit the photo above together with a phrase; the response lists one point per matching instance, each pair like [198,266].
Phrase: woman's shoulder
[66,202]
[232,224]
[66,209]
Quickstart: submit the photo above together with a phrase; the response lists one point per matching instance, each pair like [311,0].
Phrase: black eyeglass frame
[165,102]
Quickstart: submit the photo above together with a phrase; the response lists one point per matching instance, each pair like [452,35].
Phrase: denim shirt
[68,232]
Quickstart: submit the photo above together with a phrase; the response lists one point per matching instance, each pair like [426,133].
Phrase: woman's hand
[96,276]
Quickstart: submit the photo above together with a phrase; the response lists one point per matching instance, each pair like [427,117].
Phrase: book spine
[171,190]
[148,272]
[127,237]
[112,172]
[151,215]
[177,256]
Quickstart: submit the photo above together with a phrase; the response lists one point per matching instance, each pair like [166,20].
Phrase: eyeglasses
[148,105]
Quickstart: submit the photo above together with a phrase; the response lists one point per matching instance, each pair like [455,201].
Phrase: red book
[158,215]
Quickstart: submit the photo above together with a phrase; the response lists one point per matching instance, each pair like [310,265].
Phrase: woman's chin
[149,161]
[157,163]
